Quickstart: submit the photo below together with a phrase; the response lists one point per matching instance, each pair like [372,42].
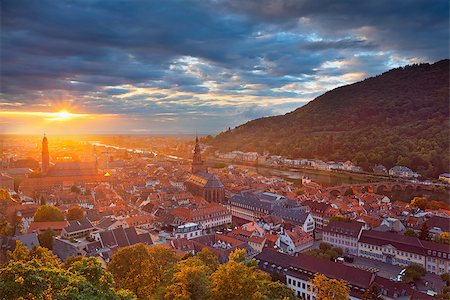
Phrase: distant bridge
[380,188]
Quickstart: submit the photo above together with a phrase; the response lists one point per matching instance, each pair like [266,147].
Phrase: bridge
[381,188]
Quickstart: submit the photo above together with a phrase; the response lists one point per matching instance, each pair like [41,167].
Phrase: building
[62,175]
[297,272]
[201,183]
[219,245]
[321,212]
[6,182]
[445,177]
[344,235]
[402,171]
[209,216]
[397,249]
[294,241]
[77,228]
[188,231]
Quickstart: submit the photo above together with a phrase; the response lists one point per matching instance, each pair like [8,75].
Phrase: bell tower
[45,156]
[197,162]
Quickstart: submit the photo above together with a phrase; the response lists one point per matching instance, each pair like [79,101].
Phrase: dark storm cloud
[212,57]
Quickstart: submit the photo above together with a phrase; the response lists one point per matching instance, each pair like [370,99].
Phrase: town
[89,199]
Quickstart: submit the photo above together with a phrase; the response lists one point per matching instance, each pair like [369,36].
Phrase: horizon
[177,68]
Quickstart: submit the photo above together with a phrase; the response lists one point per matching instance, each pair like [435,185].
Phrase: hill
[400,117]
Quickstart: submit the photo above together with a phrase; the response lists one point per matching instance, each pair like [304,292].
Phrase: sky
[142,67]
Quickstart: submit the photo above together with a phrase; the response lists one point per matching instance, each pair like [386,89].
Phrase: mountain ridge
[399,117]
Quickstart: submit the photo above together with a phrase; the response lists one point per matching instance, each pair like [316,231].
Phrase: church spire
[45,156]
[197,162]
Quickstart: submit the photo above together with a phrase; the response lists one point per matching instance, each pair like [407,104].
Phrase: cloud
[209,64]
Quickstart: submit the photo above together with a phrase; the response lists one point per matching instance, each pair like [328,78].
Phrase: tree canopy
[74,213]
[327,288]
[48,213]
[37,274]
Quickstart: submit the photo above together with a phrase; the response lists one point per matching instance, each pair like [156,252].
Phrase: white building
[188,231]
[344,235]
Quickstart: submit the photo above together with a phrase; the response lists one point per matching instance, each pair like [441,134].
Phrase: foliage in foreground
[157,273]
[37,274]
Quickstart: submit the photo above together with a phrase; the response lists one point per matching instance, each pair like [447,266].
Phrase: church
[201,183]
[62,175]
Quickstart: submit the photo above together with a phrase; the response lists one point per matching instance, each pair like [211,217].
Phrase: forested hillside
[400,117]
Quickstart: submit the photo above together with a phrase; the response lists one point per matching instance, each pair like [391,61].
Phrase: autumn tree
[37,274]
[140,268]
[339,218]
[372,293]
[191,280]
[208,258]
[239,278]
[46,213]
[325,251]
[419,202]
[74,213]
[443,238]
[326,288]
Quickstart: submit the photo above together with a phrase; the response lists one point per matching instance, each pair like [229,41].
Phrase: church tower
[45,156]
[197,162]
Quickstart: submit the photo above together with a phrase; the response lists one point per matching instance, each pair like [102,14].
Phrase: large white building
[344,235]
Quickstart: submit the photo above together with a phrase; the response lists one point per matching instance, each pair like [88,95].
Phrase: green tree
[46,238]
[424,233]
[141,269]
[413,273]
[74,213]
[372,293]
[46,213]
[410,232]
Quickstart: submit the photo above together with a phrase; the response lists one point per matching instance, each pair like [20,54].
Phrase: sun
[63,115]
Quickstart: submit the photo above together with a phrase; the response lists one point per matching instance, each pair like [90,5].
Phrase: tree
[240,256]
[410,232]
[325,251]
[140,268]
[74,213]
[46,238]
[372,293]
[75,189]
[239,280]
[209,259]
[191,280]
[443,238]
[424,233]
[413,273]
[47,213]
[37,274]
[326,288]
[419,202]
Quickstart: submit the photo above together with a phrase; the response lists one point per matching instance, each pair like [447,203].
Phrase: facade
[445,177]
[321,212]
[344,235]
[294,241]
[402,171]
[45,156]
[188,231]
[209,216]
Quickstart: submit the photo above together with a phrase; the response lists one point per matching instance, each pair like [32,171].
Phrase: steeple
[45,156]
[197,162]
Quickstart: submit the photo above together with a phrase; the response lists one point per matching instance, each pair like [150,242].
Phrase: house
[219,245]
[294,241]
[257,243]
[77,228]
[188,231]
[40,227]
[445,177]
[402,171]
[438,225]
[391,224]
[380,169]
[6,182]
[321,212]
[110,223]
[344,235]
[208,216]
